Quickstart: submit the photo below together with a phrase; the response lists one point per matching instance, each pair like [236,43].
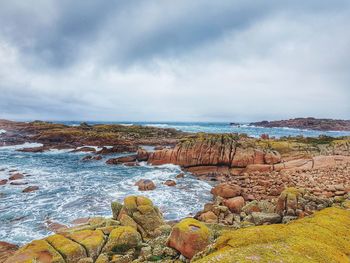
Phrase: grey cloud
[174,60]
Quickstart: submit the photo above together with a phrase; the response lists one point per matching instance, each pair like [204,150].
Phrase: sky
[198,60]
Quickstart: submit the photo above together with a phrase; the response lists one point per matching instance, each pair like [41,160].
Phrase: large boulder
[122,239]
[141,210]
[272,157]
[226,190]
[7,250]
[189,237]
[142,155]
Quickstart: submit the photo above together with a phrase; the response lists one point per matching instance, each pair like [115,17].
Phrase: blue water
[223,127]
[71,189]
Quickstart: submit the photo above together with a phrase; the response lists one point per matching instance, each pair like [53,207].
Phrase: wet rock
[180,175]
[189,237]
[142,155]
[85,149]
[16,176]
[261,218]
[226,190]
[55,227]
[131,164]
[170,183]
[145,185]
[123,159]
[30,189]
[90,158]
[18,183]
[3,181]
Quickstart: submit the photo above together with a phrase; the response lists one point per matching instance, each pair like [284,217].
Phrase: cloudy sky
[198,60]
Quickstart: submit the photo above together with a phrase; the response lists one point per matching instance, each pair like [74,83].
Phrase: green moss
[323,237]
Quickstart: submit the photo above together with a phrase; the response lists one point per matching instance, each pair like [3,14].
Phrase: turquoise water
[221,127]
[70,188]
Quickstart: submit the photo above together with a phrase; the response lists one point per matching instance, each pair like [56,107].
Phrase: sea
[70,188]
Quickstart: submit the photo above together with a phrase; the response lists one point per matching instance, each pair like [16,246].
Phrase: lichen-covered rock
[92,240]
[189,237]
[141,210]
[36,251]
[122,239]
[288,201]
[116,207]
[70,250]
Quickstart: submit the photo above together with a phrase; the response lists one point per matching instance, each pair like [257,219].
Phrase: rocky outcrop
[102,240]
[189,237]
[307,123]
[231,155]
[323,237]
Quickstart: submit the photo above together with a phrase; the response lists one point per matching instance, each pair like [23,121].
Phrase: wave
[2,131]
[22,146]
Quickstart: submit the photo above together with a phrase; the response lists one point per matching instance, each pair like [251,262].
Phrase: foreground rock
[105,240]
[189,237]
[6,250]
[323,237]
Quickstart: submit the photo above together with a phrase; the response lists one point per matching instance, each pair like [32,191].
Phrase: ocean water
[224,127]
[71,188]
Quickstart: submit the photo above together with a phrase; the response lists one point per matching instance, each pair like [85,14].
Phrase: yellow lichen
[323,237]
[36,251]
[70,250]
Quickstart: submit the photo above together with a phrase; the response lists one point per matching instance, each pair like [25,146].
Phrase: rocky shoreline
[307,124]
[288,185]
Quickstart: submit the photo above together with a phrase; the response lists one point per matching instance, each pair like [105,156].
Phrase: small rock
[16,176]
[18,183]
[260,218]
[145,185]
[226,190]
[170,183]
[4,181]
[180,175]
[208,217]
[30,189]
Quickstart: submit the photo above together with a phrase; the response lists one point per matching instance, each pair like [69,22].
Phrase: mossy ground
[323,237]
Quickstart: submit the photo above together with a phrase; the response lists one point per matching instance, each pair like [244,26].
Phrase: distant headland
[309,123]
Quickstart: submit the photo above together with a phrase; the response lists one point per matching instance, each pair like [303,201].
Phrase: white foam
[157,125]
[2,131]
[22,146]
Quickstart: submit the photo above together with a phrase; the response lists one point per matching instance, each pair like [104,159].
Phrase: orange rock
[226,190]
[235,204]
